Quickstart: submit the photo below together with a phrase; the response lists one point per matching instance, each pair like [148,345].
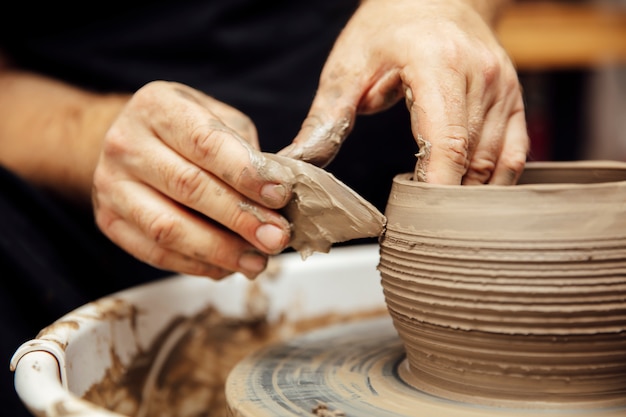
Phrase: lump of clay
[324,210]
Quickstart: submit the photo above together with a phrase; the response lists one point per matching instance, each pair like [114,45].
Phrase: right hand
[181,185]
[459,85]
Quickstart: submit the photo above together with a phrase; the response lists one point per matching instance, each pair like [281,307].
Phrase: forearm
[51,132]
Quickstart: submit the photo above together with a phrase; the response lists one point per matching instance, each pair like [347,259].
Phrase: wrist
[53,131]
[99,112]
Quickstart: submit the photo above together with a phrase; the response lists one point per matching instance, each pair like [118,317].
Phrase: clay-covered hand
[460,86]
[181,185]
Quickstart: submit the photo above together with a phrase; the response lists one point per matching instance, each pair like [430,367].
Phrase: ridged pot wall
[512,295]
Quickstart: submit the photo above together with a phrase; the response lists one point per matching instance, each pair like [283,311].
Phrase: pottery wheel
[349,370]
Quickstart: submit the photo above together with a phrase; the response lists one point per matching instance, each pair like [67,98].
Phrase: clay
[423,156]
[183,373]
[512,296]
[324,210]
[350,368]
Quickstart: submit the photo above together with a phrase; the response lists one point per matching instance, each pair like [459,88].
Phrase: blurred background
[571,59]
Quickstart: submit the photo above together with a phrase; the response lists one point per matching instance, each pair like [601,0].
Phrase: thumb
[329,121]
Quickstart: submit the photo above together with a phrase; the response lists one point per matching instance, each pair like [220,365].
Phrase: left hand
[459,84]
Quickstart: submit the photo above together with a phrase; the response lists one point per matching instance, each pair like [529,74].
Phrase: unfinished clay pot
[512,296]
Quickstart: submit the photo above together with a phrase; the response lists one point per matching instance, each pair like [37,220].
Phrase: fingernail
[275,193]
[252,262]
[270,236]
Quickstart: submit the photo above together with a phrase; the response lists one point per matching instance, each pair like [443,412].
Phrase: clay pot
[512,296]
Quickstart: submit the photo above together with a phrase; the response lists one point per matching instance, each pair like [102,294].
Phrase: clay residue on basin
[184,372]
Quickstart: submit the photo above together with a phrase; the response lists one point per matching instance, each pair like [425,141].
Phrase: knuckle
[206,141]
[146,98]
[150,90]
[480,170]
[474,130]
[515,161]
[455,143]
[105,219]
[491,69]
[246,127]
[161,228]
[244,219]
[245,123]
[115,143]
[189,184]
[210,143]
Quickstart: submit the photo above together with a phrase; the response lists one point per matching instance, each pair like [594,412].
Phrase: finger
[167,236]
[386,91]
[439,120]
[498,91]
[207,142]
[514,154]
[329,121]
[490,133]
[207,194]
[232,118]
[137,244]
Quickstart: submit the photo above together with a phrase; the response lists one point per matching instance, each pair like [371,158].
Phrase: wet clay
[351,369]
[184,371]
[324,210]
[512,296]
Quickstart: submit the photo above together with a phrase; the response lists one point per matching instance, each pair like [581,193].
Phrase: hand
[181,185]
[461,89]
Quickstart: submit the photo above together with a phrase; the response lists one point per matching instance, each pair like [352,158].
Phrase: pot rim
[601,166]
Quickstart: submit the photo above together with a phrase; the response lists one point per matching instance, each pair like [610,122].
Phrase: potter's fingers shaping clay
[324,210]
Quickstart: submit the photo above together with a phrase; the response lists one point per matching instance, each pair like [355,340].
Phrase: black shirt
[261,57]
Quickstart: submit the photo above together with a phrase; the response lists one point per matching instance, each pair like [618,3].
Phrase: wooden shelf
[543,35]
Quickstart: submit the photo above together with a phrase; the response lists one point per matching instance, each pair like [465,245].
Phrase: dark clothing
[261,57]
